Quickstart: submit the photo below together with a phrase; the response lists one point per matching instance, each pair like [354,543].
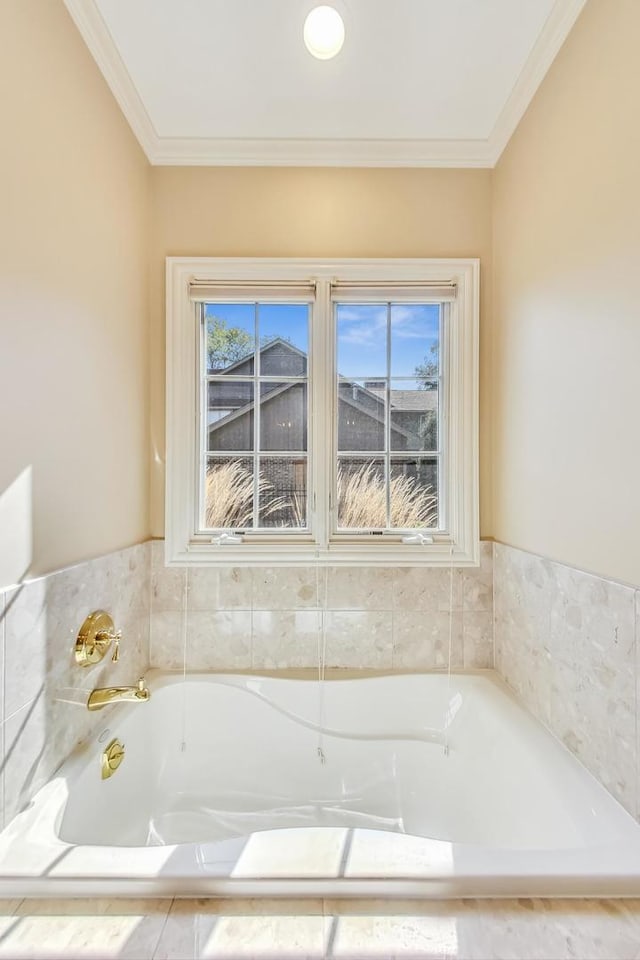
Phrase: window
[322,411]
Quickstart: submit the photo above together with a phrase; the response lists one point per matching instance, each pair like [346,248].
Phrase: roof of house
[417,401]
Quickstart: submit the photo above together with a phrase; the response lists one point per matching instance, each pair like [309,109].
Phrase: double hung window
[322,411]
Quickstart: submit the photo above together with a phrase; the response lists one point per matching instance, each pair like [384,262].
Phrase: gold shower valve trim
[96,635]
[112,757]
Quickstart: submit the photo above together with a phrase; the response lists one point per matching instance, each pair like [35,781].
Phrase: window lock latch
[225,538]
[419,538]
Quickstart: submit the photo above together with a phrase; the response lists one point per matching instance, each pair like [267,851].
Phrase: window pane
[230,337]
[229,493]
[415,339]
[284,339]
[230,415]
[361,414]
[414,415]
[362,496]
[414,492]
[362,339]
[283,416]
[283,492]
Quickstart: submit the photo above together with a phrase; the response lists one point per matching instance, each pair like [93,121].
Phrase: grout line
[162,929]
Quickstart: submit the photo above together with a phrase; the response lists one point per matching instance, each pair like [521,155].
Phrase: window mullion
[256,419]
[203,440]
[387,439]
[321,412]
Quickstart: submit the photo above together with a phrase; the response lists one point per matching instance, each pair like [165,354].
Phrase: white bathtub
[387,786]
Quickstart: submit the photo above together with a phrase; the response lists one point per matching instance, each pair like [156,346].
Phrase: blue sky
[361,332]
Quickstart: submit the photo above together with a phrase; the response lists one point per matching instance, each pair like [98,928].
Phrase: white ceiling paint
[418,82]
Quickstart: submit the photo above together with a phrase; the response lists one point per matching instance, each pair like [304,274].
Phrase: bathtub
[410,785]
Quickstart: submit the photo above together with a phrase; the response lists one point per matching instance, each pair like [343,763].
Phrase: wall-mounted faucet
[96,635]
[103,696]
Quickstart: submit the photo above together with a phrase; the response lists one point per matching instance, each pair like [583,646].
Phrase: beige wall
[317,212]
[73,301]
[567,309]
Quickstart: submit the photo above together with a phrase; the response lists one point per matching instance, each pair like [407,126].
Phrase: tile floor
[330,929]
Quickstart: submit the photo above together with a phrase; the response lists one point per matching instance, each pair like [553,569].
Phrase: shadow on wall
[16,530]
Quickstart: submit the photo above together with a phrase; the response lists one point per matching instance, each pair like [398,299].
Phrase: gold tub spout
[103,696]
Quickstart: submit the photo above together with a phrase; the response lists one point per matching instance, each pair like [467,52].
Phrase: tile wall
[43,711]
[368,617]
[567,643]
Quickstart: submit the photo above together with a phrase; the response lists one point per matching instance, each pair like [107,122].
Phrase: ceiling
[417,83]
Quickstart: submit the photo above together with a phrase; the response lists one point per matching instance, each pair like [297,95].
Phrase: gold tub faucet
[103,696]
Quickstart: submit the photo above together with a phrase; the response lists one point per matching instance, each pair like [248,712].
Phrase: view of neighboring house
[283,426]
[361,409]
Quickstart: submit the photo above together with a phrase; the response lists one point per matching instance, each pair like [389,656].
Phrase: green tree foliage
[225,344]
[429,367]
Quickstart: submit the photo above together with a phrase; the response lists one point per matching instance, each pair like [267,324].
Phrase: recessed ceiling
[418,82]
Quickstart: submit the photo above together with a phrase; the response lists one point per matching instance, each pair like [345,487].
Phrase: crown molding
[322,153]
[561,19]
[182,151]
[94,32]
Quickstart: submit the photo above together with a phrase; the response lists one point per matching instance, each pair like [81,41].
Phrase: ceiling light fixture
[324,32]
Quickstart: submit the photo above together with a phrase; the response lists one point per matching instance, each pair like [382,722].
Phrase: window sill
[336,555]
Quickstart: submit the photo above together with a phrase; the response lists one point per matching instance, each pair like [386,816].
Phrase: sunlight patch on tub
[299,852]
[377,854]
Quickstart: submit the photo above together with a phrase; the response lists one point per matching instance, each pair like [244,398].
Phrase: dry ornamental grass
[362,500]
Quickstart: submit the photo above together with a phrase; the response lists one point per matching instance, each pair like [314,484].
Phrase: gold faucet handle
[141,684]
[117,637]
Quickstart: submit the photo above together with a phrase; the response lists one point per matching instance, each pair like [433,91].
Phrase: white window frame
[460,543]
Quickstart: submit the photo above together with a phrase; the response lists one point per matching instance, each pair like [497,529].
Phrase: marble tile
[129,576]
[359,639]
[477,639]
[2,618]
[9,907]
[593,691]
[566,642]
[219,588]
[374,936]
[421,640]
[541,929]
[218,640]
[3,821]
[25,644]
[358,588]
[45,712]
[52,929]
[523,594]
[230,929]
[285,638]
[167,583]
[25,737]
[477,582]
[166,640]
[347,928]
[286,588]
[429,589]
[483,929]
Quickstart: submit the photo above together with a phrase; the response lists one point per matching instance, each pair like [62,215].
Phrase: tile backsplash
[43,713]
[566,642]
[365,617]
